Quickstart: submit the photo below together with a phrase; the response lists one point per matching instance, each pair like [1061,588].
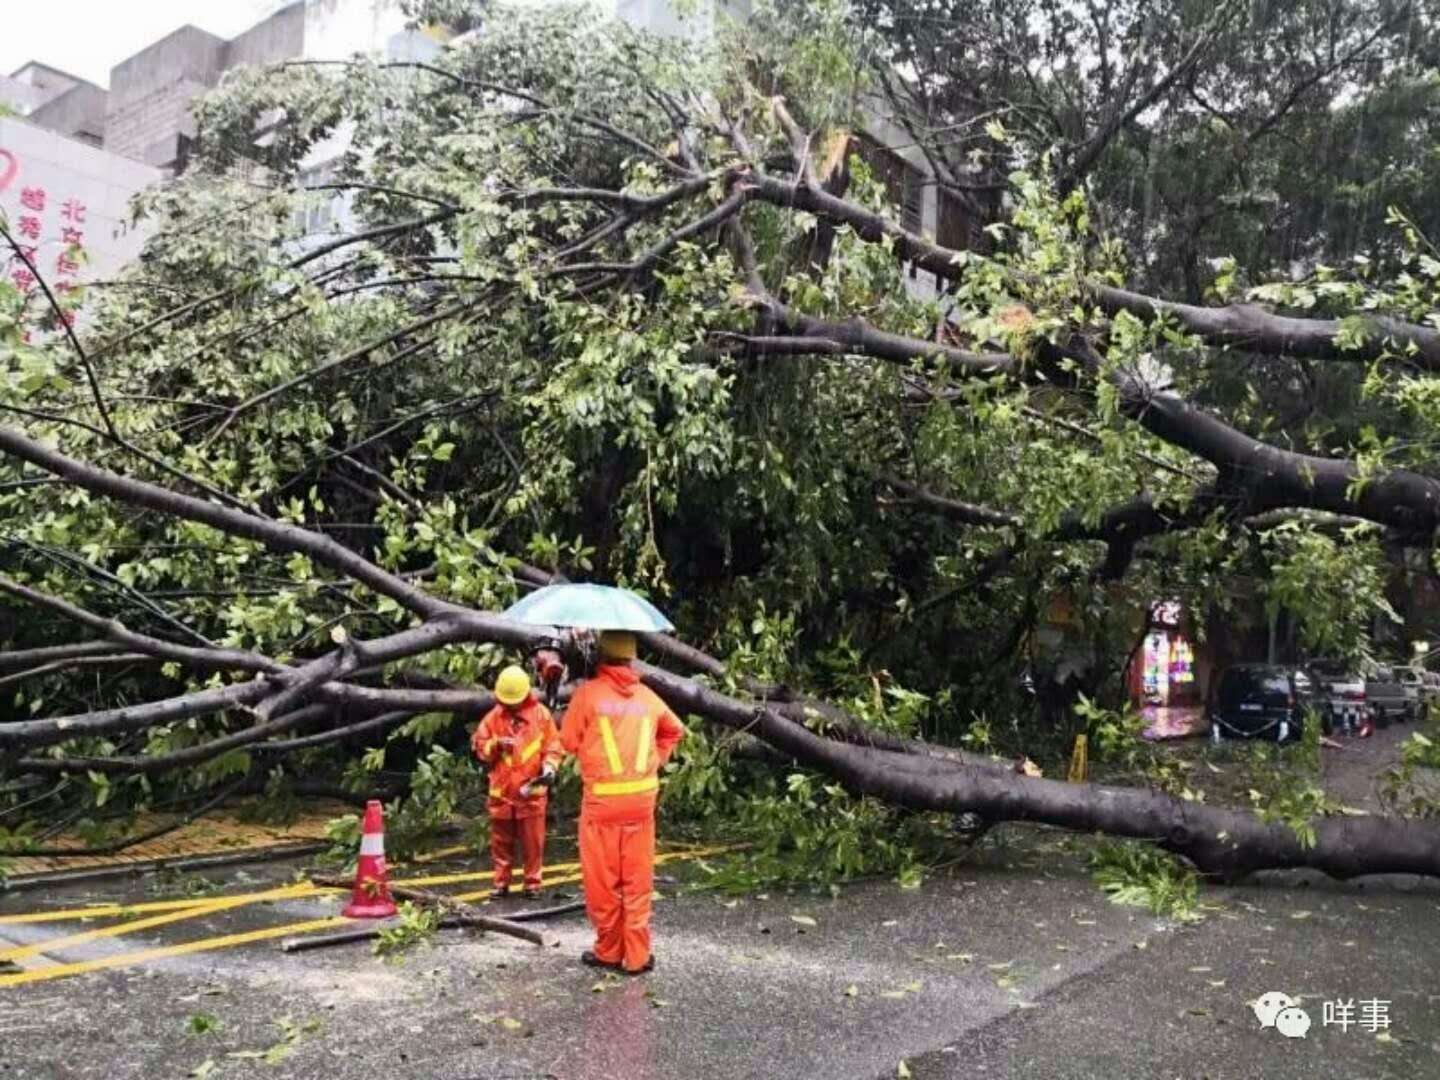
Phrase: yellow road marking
[482,893]
[101,911]
[215,905]
[110,910]
[104,911]
[203,945]
[226,941]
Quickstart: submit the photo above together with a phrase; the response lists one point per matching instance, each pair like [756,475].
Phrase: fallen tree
[642,321]
[1218,841]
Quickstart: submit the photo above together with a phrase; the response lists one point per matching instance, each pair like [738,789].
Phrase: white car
[1413,681]
[1425,683]
[1339,696]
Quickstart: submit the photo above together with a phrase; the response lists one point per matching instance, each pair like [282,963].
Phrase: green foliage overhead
[494,374]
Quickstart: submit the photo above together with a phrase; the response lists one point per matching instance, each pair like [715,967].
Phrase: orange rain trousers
[529,832]
[617,861]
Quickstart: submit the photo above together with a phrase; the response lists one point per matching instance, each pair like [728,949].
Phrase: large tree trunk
[1220,841]
[1217,840]
[279,699]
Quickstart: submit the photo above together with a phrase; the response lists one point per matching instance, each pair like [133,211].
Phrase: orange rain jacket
[536,744]
[622,733]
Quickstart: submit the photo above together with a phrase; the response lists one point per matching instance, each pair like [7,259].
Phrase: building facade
[696,19]
[149,115]
[55,101]
[72,154]
[144,131]
[65,202]
[890,152]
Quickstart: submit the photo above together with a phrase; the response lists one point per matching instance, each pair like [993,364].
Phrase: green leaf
[201,1023]
[278,1053]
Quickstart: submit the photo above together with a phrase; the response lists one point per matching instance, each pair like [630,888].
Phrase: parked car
[1250,701]
[1386,697]
[1432,685]
[1413,680]
[1339,696]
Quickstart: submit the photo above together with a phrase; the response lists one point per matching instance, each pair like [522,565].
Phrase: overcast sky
[89,37]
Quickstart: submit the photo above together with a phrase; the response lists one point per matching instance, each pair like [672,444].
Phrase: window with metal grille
[903,182]
[953,226]
[317,210]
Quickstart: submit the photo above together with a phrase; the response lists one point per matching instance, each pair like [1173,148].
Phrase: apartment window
[954,227]
[317,210]
[185,148]
[903,182]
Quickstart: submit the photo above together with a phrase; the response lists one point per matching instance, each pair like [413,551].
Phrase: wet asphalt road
[1011,966]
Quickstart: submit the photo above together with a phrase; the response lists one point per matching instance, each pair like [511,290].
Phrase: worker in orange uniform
[518,741]
[622,734]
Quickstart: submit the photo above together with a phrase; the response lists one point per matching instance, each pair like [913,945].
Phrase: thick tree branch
[1242,326]
[962,512]
[24,659]
[190,755]
[114,630]
[279,536]
[1218,841]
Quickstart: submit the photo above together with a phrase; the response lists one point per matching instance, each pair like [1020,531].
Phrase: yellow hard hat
[513,686]
[617,644]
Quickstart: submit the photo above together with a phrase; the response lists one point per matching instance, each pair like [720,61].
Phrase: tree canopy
[634,309]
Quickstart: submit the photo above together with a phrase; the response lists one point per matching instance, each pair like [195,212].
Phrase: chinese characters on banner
[50,236]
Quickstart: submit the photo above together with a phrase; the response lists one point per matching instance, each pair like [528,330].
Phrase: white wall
[696,19]
[100,184]
[20,95]
[336,29]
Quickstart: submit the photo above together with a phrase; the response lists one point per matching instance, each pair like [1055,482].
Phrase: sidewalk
[1163,722]
[218,834]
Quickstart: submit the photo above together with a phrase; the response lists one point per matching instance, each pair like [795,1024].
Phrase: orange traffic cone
[371,898]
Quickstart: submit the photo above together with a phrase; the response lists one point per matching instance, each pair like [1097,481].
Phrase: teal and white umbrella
[591,607]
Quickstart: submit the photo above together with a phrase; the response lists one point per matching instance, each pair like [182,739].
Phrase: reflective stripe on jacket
[622,733]
[537,743]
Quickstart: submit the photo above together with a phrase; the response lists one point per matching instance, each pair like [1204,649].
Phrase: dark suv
[1253,701]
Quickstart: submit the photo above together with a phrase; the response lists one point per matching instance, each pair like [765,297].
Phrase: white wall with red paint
[67,203]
